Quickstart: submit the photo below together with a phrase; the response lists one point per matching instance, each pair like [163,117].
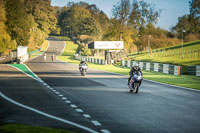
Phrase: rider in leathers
[133,69]
[82,62]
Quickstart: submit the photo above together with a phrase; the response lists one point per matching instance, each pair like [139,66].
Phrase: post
[149,44]
[182,42]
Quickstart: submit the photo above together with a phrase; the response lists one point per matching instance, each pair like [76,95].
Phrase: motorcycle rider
[134,69]
[81,63]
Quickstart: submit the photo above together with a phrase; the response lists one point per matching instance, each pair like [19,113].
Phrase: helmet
[136,66]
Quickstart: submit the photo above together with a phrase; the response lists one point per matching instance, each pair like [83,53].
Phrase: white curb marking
[68,101]
[79,110]
[48,115]
[105,131]
[86,116]
[96,123]
[64,98]
[60,95]
[57,92]
[73,106]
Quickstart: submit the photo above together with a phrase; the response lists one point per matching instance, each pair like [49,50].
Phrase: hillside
[186,54]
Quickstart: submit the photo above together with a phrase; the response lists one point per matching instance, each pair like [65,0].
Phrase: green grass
[37,53]
[173,55]
[18,128]
[68,54]
[65,38]
[180,80]
[24,69]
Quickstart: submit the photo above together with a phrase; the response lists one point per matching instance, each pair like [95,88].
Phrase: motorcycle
[135,82]
[83,69]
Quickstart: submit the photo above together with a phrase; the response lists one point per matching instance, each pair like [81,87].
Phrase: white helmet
[136,66]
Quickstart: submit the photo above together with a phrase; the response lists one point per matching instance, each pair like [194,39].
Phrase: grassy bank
[186,54]
[65,38]
[44,47]
[18,128]
[181,80]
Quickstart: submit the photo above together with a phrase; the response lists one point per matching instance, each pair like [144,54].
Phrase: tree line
[188,26]
[25,23]
[28,23]
[132,21]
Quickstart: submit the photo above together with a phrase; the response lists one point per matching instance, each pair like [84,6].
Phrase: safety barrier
[157,67]
[90,59]
[194,70]
[148,66]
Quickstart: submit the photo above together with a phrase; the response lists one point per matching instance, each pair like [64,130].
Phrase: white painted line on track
[86,116]
[61,54]
[57,92]
[172,85]
[105,131]
[64,98]
[68,101]
[48,115]
[79,110]
[96,123]
[33,73]
[73,106]
[60,95]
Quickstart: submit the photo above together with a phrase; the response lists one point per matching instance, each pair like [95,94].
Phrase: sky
[171,9]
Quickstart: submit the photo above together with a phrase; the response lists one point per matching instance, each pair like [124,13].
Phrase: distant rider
[81,63]
[134,69]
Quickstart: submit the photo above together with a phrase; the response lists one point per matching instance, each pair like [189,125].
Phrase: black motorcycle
[135,82]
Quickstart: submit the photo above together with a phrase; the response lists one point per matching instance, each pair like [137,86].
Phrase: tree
[190,23]
[121,12]
[5,39]
[72,18]
[18,24]
[85,51]
[43,20]
[89,26]
[142,14]
[101,18]
[195,8]
[195,15]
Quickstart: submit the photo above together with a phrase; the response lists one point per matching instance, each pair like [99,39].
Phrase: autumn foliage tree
[5,39]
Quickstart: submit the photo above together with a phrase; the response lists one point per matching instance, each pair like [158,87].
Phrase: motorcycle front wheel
[136,87]
[83,73]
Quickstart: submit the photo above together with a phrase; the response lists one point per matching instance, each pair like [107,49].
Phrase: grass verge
[187,55]
[45,46]
[188,81]
[18,128]
[65,38]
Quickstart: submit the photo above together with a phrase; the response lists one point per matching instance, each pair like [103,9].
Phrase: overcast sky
[171,9]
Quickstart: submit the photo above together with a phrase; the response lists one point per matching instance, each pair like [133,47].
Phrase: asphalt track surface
[104,96]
